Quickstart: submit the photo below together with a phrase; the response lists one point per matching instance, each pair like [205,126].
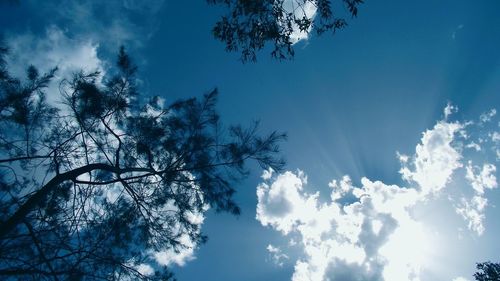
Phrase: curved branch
[9,224]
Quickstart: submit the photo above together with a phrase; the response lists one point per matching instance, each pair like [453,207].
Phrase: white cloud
[365,235]
[54,49]
[449,109]
[460,279]
[267,174]
[472,210]
[145,269]
[371,232]
[474,146]
[435,158]
[186,251]
[300,9]
[177,256]
[487,116]
[340,188]
[277,255]
[495,136]
[481,178]
[280,204]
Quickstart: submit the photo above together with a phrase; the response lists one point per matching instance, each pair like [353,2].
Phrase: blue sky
[348,102]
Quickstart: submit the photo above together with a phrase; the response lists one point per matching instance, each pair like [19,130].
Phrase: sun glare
[407,251]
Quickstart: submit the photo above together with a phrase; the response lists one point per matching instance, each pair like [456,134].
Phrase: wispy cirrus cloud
[54,48]
[109,23]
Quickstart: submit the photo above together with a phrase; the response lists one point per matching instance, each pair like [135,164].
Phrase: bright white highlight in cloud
[281,204]
[435,158]
[481,178]
[370,232]
[365,235]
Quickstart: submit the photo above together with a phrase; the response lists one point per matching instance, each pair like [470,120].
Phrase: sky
[393,131]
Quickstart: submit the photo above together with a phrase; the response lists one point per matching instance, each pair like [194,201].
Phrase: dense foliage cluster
[251,24]
[487,271]
[94,187]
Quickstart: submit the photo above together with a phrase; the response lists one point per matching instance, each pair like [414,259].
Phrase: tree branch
[9,224]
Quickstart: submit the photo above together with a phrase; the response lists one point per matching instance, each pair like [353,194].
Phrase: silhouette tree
[250,24]
[487,271]
[102,185]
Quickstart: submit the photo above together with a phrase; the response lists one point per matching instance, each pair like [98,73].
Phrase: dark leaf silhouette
[250,25]
[487,271]
[91,189]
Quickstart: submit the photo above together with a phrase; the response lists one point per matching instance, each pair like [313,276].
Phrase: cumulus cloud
[370,232]
[435,158]
[281,204]
[354,237]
